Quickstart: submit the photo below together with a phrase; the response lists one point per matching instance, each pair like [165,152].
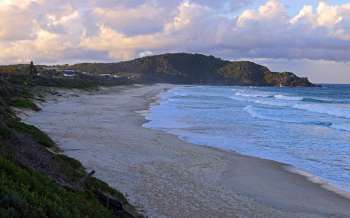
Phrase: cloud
[63,30]
[16,23]
[138,20]
[269,32]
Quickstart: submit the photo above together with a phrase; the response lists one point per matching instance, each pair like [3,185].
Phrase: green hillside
[196,69]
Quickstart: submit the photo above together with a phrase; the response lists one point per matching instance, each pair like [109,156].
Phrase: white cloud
[62,30]
[142,19]
[328,15]
[188,15]
[305,14]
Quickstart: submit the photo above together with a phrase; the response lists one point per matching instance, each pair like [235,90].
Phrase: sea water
[308,128]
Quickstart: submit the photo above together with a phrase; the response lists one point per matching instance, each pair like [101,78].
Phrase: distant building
[69,73]
[106,75]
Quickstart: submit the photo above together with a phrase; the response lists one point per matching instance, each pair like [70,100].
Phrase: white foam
[252,112]
[249,109]
[255,114]
[343,127]
[254,95]
[143,113]
[289,98]
[181,94]
[333,110]
[237,98]
[272,103]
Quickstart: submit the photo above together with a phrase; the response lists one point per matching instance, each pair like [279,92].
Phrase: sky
[310,37]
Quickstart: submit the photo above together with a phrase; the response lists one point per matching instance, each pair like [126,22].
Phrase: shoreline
[263,198]
[316,180]
[287,167]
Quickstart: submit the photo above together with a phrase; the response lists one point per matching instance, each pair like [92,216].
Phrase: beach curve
[167,177]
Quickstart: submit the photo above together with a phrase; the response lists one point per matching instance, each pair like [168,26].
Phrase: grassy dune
[37,181]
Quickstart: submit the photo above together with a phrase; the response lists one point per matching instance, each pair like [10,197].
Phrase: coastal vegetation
[26,193]
[36,180]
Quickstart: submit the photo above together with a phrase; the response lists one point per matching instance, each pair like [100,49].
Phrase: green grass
[75,171]
[34,132]
[25,193]
[72,168]
[31,192]
[24,103]
[5,132]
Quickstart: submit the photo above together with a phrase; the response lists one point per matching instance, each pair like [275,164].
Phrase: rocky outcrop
[286,79]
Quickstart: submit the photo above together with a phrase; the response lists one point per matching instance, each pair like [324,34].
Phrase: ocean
[308,128]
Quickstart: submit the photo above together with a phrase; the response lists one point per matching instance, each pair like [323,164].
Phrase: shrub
[5,132]
[25,193]
[24,103]
[37,135]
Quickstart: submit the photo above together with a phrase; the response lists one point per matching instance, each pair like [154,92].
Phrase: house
[106,75]
[69,73]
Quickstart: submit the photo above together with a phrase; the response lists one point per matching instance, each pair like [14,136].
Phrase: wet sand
[167,177]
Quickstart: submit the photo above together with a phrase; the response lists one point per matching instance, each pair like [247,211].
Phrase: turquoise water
[308,128]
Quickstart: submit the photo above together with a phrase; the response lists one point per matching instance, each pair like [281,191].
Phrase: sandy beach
[167,177]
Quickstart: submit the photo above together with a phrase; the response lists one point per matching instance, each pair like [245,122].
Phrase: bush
[24,193]
[5,132]
[72,168]
[24,103]
[37,135]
